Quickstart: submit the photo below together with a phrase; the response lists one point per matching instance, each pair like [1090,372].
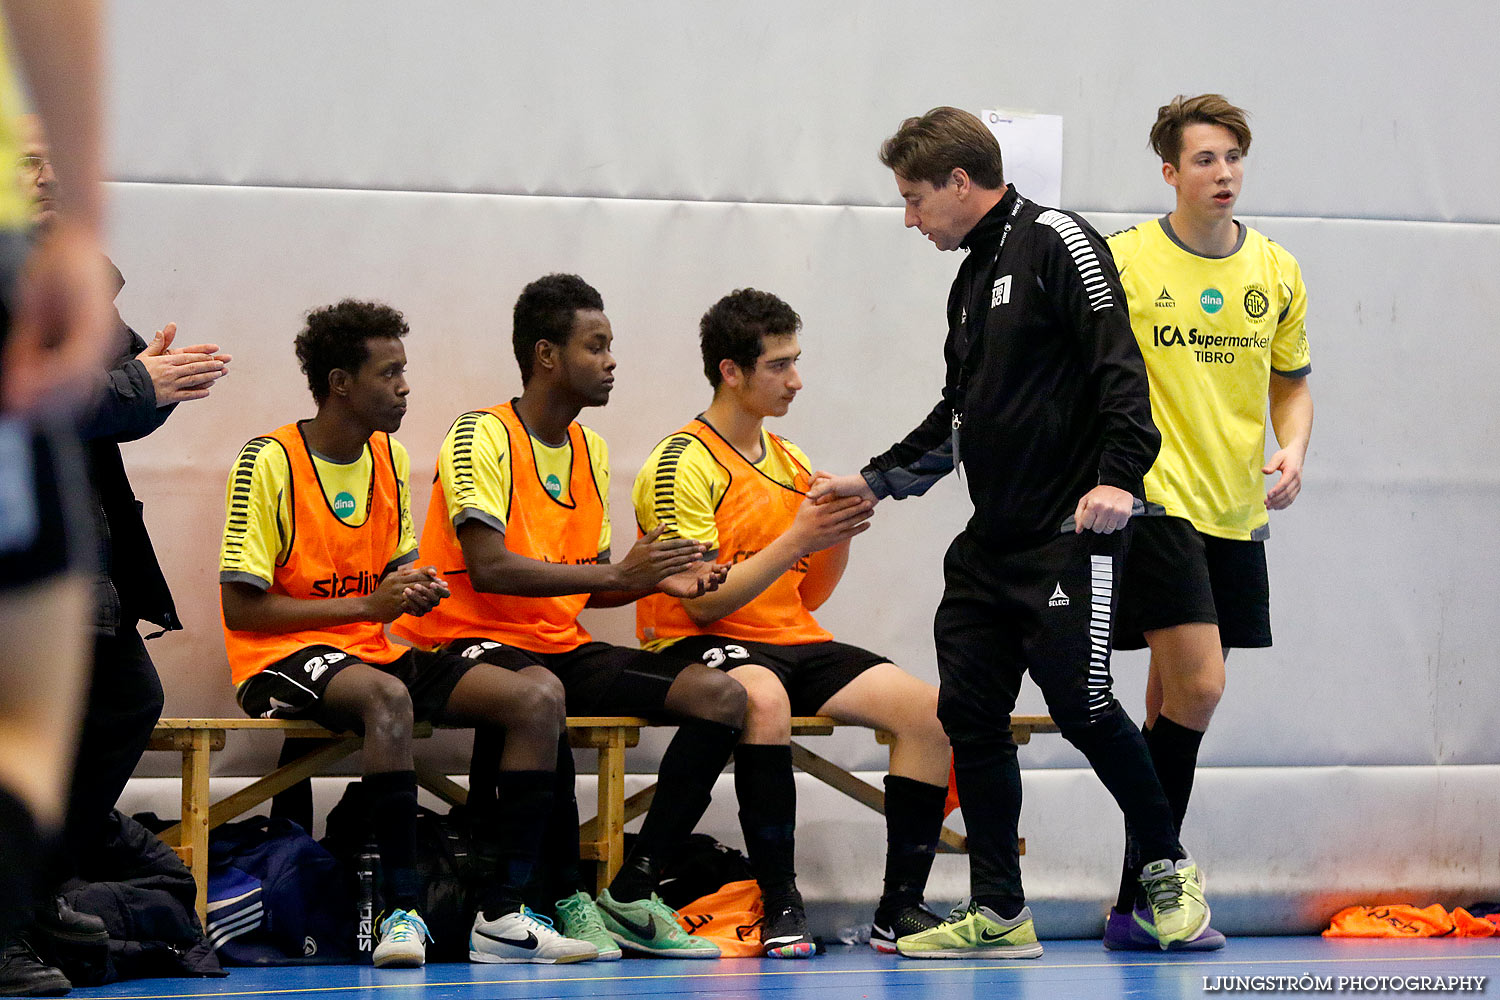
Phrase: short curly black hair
[336,337]
[545,311]
[734,327]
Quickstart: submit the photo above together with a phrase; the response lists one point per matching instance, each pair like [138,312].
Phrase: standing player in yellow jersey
[318,554]
[1218,311]
[519,524]
[726,482]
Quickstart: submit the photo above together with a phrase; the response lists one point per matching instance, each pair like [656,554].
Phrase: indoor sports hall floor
[1070,970]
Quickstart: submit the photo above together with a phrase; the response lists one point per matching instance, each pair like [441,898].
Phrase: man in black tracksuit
[1046,409]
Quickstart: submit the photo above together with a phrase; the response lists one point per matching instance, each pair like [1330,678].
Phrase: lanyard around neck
[971,344]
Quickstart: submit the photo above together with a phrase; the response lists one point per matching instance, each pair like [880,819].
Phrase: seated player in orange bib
[727,483]
[318,554]
[519,525]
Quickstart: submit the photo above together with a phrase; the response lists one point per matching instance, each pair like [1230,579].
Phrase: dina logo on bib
[343,506]
[1212,300]
[554,486]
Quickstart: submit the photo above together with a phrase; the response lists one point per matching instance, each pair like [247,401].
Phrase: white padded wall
[1365,112]
[276,156]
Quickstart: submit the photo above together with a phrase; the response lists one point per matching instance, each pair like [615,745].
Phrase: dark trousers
[124,703]
[1047,610]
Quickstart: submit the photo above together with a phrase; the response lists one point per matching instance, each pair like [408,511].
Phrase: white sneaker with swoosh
[524,936]
[402,941]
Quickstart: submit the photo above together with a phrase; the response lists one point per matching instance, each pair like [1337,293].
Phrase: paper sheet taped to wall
[1032,147]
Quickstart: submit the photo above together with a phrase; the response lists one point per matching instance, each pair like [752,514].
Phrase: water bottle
[364,934]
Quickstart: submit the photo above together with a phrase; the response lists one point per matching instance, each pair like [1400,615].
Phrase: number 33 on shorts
[716,656]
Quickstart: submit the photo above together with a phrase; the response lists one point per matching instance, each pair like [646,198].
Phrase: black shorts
[45,520]
[598,678]
[292,688]
[1175,575]
[811,673]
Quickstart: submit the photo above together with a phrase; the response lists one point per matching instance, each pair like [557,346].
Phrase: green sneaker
[975,932]
[650,926]
[580,919]
[1174,890]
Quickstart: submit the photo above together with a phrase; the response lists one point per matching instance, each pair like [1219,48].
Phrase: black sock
[767,792]
[1174,754]
[518,827]
[22,852]
[1005,907]
[484,764]
[560,861]
[393,804]
[913,820]
[684,787]
[637,877]
[1130,873]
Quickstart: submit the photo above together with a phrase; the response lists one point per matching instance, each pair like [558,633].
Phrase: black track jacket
[1046,393]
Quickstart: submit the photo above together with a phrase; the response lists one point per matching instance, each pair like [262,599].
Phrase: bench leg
[610,822]
[439,784]
[195,807]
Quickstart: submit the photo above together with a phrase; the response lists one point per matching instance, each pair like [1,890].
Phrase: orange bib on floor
[1401,920]
[730,918]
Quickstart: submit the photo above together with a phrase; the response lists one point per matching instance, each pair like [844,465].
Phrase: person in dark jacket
[133,396]
[136,394]
[143,387]
[54,308]
[1047,410]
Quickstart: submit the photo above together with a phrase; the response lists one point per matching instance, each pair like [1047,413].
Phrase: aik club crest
[1257,302]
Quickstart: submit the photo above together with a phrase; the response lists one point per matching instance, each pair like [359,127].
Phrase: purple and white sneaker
[1122,932]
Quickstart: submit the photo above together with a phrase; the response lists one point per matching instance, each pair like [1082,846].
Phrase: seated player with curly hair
[318,555]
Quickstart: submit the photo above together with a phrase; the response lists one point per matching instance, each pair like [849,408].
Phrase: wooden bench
[601,839]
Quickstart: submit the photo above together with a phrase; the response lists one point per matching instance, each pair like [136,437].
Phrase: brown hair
[736,326]
[1205,109]
[930,147]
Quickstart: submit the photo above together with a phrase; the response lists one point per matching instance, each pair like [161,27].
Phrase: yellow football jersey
[476,478]
[258,529]
[1212,330]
